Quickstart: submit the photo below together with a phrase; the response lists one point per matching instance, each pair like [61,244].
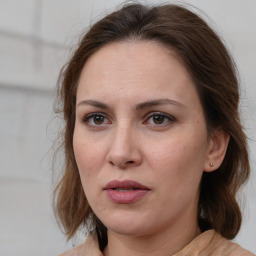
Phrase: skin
[168,154]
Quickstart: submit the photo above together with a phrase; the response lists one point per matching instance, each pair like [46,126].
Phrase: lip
[135,191]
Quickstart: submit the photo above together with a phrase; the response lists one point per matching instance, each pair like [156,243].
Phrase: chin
[127,225]
[127,230]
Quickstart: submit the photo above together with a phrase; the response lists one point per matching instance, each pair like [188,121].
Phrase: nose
[124,151]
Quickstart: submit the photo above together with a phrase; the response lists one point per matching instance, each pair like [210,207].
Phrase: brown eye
[158,119]
[98,120]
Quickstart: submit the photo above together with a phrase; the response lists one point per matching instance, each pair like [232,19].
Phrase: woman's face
[140,139]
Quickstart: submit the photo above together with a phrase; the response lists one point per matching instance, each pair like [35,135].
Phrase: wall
[36,37]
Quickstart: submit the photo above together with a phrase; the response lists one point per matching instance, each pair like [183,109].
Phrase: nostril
[129,162]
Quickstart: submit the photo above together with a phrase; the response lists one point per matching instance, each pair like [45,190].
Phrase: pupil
[98,119]
[158,119]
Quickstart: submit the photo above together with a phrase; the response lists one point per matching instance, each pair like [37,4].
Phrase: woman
[154,149]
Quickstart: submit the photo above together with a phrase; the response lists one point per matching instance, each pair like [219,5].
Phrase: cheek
[179,156]
[179,168]
[87,151]
[88,163]
[87,159]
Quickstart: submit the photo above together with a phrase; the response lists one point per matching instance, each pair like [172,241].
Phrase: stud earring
[211,164]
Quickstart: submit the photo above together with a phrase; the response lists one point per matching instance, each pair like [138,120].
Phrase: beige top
[208,243]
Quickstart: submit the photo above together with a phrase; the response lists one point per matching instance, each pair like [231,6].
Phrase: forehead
[136,68]
[118,56]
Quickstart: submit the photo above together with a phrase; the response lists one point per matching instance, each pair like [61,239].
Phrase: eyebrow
[94,103]
[153,103]
[140,106]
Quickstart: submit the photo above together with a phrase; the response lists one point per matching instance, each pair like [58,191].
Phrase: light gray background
[35,40]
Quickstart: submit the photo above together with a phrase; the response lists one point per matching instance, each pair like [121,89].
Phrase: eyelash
[89,117]
[168,119]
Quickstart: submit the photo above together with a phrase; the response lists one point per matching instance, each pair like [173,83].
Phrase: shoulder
[88,248]
[222,246]
[210,243]
[77,251]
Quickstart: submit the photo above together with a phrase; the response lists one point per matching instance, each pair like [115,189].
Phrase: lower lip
[126,197]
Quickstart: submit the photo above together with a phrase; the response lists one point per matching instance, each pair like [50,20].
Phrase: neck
[165,242]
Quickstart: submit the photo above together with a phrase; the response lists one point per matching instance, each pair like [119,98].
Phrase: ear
[217,148]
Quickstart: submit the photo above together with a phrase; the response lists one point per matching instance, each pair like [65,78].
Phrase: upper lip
[114,184]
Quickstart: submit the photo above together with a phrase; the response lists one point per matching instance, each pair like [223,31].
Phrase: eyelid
[87,117]
[154,113]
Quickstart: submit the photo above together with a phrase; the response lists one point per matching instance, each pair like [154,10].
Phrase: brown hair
[214,74]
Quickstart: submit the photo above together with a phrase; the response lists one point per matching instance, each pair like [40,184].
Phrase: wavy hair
[214,74]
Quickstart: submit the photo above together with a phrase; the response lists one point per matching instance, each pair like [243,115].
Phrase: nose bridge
[122,142]
[124,149]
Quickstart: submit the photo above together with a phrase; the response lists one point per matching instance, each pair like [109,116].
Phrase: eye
[96,119]
[159,118]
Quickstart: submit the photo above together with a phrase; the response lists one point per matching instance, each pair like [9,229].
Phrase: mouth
[124,189]
[125,192]
[124,186]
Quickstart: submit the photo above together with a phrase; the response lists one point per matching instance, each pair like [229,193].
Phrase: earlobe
[216,150]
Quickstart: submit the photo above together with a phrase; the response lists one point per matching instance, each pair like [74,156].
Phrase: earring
[211,164]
